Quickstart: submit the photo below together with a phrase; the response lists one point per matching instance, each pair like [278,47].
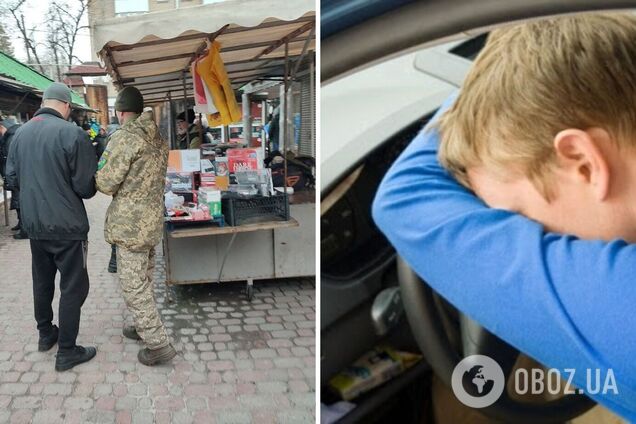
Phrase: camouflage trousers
[135,276]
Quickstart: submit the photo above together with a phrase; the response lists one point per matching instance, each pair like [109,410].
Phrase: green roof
[12,68]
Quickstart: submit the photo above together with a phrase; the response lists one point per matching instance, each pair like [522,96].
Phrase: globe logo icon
[478,381]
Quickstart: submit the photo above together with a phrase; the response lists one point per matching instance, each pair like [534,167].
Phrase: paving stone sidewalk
[238,362]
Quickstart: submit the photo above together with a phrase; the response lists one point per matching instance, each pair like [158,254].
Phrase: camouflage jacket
[132,170]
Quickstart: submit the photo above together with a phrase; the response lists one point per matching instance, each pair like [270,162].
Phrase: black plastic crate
[247,210]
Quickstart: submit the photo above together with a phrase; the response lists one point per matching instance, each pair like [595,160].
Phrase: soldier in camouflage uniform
[132,170]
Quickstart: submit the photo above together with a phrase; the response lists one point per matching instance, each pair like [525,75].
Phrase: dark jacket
[53,164]
[101,143]
[5,142]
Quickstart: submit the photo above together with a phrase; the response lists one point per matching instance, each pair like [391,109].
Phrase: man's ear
[580,157]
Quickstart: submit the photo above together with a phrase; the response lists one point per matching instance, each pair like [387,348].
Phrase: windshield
[337,15]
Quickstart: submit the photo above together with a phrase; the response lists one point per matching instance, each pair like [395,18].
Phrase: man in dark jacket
[187,130]
[8,127]
[53,164]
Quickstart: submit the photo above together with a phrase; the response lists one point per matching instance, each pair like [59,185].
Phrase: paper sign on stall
[184,160]
[191,160]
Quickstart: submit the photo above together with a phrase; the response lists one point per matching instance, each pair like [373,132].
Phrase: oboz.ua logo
[478,381]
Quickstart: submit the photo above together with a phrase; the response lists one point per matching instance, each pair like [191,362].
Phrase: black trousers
[69,257]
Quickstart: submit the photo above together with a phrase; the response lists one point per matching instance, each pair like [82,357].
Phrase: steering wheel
[424,315]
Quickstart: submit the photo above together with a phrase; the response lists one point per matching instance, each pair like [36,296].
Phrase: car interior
[370,298]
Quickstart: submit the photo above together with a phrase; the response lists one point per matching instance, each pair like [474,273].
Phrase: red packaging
[243,160]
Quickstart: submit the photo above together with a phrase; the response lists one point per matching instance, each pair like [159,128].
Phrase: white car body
[361,111]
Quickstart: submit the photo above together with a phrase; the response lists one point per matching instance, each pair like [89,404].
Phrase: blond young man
[545,125]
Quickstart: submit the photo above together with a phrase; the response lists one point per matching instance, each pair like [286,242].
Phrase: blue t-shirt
[566,302]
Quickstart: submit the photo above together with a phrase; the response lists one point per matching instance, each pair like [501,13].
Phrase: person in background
[86,127]
[132,170]
[113,126]
[207,137]
[8,127]
[53,165]
[273,130]
[101,141]
[185,126]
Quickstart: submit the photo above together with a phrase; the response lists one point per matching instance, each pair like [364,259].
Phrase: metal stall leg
[249,289]
[170,296]
[247,119]
[185,106]
[285,114]
[169,288]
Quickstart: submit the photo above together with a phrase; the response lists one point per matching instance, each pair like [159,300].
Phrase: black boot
[131,332]
[47,342]
[112,265]
[21,235]
[19,224]
[67,359]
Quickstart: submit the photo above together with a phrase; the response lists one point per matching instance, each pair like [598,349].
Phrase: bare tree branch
[63,24]
[27,38]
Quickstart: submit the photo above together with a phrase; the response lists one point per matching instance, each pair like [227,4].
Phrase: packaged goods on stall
[174,204]
[198,212]
[173,201]
[207,166]
[243,189]
[178,208]
[261,179]
[208,151]
[222,173]
[179,181]
[208,180]
[208,173]
[211,197]
[232,185]
[244,160]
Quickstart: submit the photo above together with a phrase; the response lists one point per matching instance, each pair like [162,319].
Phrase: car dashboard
[357,261]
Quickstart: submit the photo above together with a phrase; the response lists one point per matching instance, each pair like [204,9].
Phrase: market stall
[228,215]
